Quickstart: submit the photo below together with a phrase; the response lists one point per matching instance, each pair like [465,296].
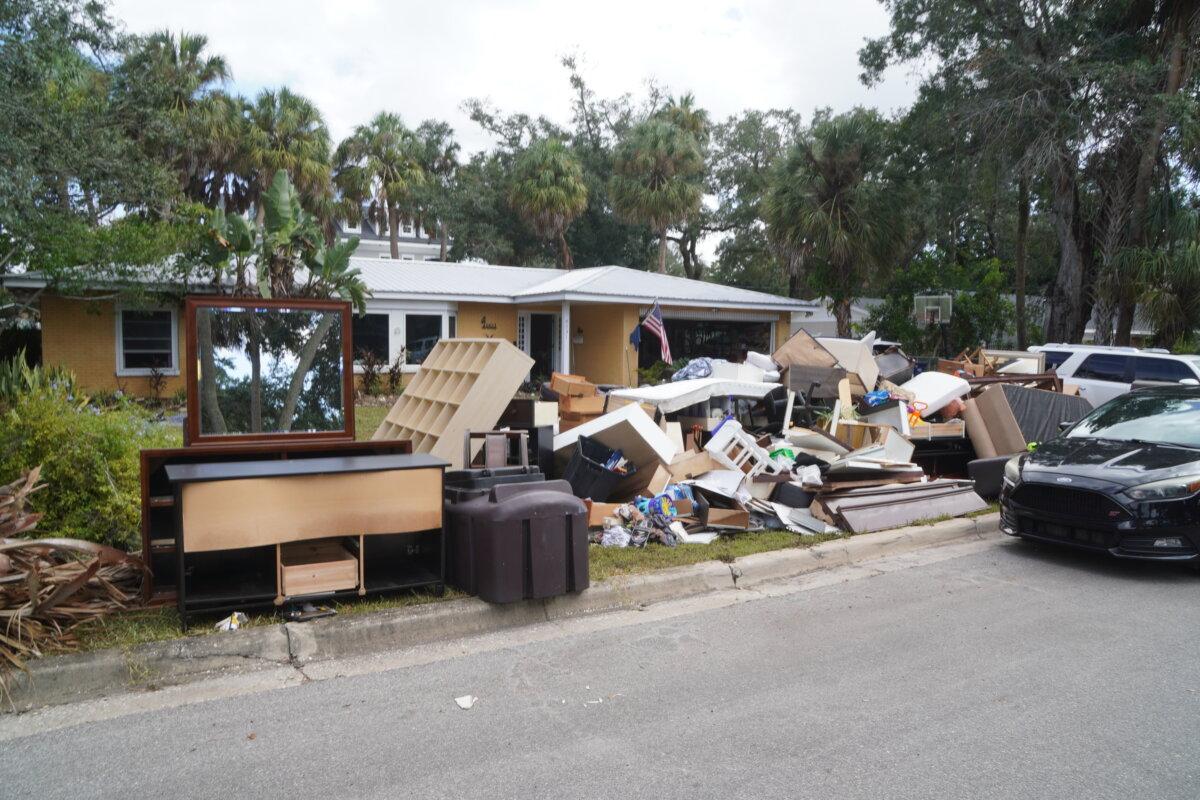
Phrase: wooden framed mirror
[268,370]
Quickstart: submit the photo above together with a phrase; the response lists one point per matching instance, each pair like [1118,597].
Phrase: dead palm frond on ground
[50,586]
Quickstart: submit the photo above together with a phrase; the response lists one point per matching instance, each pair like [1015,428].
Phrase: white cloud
[422,60]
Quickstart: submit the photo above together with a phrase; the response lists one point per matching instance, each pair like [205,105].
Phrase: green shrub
[659,372]
[18,378]
[89,458]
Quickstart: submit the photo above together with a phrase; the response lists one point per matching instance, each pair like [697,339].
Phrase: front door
[542,344]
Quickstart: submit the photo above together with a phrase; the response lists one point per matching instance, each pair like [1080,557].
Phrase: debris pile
[50,586]
[826,435]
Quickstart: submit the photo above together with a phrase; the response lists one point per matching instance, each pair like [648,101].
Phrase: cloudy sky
[357,57]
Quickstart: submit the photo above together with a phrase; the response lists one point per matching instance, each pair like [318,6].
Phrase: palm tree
[380,162]
[177,77]
[181,66]
[439,159]
[682,113]
[1170,275]
[221,132]
[656,179]
[285,131]
[826,205]
[549,193]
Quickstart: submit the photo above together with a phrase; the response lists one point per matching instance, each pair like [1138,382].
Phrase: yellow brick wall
[487,321]
[782,329]
[604,356]
[81,335]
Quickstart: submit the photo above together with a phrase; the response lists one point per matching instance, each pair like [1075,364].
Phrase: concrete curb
[83,676]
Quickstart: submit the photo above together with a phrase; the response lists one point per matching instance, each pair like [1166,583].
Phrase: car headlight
[1170,489]
[1012,470]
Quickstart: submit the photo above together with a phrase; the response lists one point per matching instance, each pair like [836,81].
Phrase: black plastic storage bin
[586,473]
[467,484]
[519,541]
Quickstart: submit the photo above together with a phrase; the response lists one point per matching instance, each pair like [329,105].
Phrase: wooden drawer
[316,567]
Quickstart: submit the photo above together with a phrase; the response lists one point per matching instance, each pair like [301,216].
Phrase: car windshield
[1162,418]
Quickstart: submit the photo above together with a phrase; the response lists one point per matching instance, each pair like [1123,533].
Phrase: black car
[1125,479]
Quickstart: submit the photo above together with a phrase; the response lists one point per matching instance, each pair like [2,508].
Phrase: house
[415,243]
[572,321]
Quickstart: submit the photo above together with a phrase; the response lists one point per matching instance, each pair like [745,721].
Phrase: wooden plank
[254,512]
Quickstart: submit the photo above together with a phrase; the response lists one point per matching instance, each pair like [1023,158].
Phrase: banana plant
[289,242]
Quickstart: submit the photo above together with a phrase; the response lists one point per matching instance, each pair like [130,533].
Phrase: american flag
[654,323]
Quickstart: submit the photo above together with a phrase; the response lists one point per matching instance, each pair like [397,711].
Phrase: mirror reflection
[269,370]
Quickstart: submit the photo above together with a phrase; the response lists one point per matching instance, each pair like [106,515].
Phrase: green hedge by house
[89,458]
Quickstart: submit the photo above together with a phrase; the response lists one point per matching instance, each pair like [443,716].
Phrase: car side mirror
[1064,425]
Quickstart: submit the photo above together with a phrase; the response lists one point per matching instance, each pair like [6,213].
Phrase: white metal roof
[390,279]
[434,280]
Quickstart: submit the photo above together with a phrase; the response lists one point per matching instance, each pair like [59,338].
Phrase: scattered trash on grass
[231,623]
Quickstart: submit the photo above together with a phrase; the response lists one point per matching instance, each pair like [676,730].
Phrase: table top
[277,468]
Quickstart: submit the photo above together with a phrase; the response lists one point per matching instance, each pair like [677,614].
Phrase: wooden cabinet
[158,499]
[255,532]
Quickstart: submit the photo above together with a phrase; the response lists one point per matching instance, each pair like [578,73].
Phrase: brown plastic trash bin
[520,541]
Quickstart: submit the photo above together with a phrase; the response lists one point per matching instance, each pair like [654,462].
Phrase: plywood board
[1002,426]
[803,349]
[857,358]
[463,385]
[253,512]
[977,430]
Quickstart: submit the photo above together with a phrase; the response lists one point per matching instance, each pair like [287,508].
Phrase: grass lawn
[153,625]
[608,562]
[367,419]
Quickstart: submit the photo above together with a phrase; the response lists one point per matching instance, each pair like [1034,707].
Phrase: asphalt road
[1008,671]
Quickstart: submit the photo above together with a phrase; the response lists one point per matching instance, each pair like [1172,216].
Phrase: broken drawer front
[317,568]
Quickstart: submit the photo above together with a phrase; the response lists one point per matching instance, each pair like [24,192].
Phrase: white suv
[1102,372]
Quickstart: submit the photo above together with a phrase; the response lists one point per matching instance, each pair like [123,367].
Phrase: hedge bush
[89,458]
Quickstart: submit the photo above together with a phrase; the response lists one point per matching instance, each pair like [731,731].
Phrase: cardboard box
[691,464]
[565,425]
[592,405]
[571,385]
[598,511]
[658,481]
[728,517]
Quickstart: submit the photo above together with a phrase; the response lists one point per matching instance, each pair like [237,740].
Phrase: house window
[369,334]
[352,227]
[147,341]
[452,326]
[715,338]
[421,333]
[406,229]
